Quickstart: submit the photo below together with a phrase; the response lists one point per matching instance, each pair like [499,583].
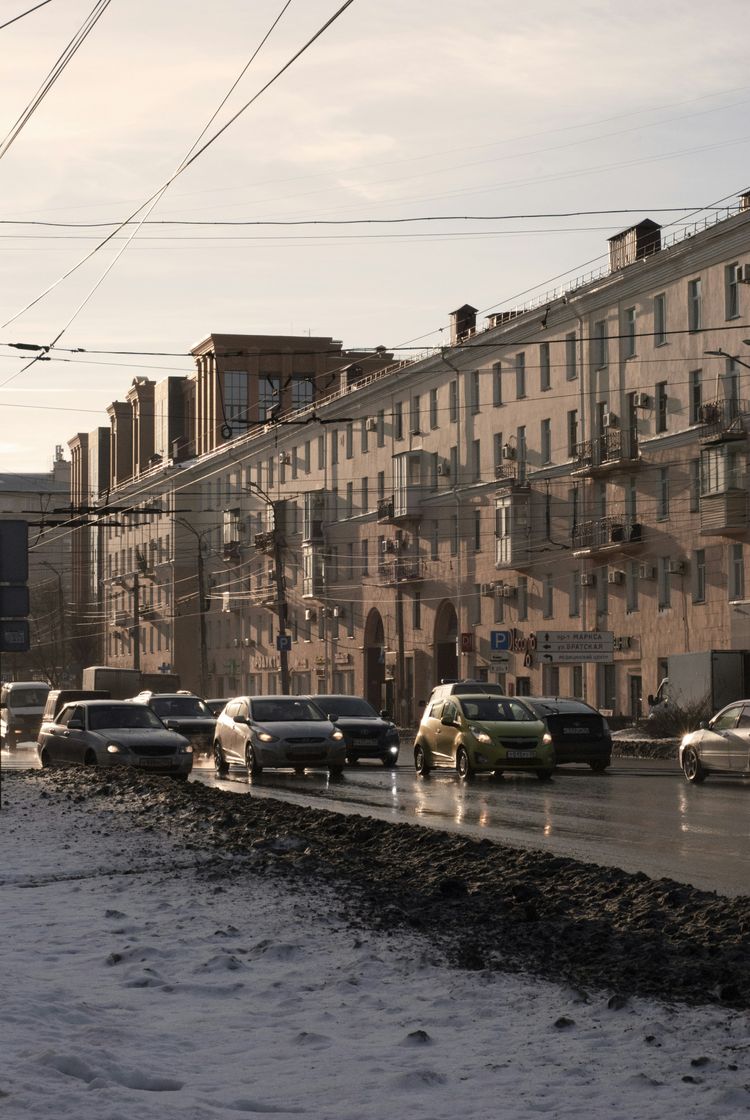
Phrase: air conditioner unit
[609,420]
[587,579]
[676,567]
[388,545]
[646,571]
[487,588]
[641,400]
[309,615]
[615,576]
[509,590]
[337,612]
[444,468]
[621,644]
[285,459]
[371,424]
[509,451]
[743,274]
[225,607]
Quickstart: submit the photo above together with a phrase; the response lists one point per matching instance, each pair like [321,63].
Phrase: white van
[21,710]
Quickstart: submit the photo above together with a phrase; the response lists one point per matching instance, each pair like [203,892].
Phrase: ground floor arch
[446,642]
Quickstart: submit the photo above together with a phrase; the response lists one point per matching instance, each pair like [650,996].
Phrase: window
[414,420]
[416,611]
[435,541]
[550,680]
[520,375]
[453,464]
[434,476]
[433,408]
[499,603]
[503,530]
[321,453]
[695,302]
[497,453]
[694,468]
[731,291]
[699,575]
[381,428]
[662,494]
[497,384]
[365,495]
[546,441]
[398,420]
[350,560]
[303,391]
[521,453]
[476,606]
[602,590]
[235,401]
[381,485]
[544,366]
[476,460]
[453,401]
[720,470]
[572,433]
[349,500]
[365,557]
[334,447]
[547,595]
[661,406]
[660,320]
[269,390]
[474,391]
[696,395]
[664,586]
[571,361]
[631,586]
[363,436]
[600,350]
[454,535]
[736,571]
[477,530]
[350,440]
[576,680]
[574,593]
[523,598]
[628,331]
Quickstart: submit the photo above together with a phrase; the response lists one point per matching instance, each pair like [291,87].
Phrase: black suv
[579,733]
[367,734]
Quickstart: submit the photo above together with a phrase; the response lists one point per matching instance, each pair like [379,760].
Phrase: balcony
[614,449]
[510,473]
[121,619]
[406,569]
[264,541]
[606,535]
[385,510]
[723,420]
[724,514]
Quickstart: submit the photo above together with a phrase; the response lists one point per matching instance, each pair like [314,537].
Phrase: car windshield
[170,706]
[28,697]
[122,715]
[461,688]
[283,711]
[493,710]
[346,706]
[560,707]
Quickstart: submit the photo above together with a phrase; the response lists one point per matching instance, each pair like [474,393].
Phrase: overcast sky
[402,108]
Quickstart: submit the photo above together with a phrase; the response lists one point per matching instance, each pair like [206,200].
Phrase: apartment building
[574,464]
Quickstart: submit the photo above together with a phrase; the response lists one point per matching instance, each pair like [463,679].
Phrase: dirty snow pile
[144,980]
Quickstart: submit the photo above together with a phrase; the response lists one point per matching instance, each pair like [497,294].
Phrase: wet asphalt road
[641,815]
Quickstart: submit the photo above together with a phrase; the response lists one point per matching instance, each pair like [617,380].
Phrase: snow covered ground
[139,985]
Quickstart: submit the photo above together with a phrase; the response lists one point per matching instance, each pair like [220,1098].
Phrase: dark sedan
[579,733]
[367,734]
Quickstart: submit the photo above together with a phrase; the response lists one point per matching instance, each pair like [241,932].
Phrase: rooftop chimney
[463,323]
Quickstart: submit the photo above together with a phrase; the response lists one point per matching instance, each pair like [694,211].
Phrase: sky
[142,979]
[401,109]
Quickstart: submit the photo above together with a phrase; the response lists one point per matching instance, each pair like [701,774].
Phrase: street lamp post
[201,577]
[282,640]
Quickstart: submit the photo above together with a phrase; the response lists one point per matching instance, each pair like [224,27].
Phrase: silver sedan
[277,731]
[722,746]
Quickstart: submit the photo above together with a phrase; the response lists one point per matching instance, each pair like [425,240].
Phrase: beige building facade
[579,464]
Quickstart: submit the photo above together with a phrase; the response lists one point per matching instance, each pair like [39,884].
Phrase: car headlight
[115,748]
[546,738]
[265,737]
[337,735]
[394,748]
[187,749]
[480,735]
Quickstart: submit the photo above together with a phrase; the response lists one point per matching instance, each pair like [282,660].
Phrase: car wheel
[335,771]
[600,765]
[180,777]
[254,768]
[463,764]
[421,765]
[90,759]
[544,775]
[497,773]
[45,759]
[221,766]
[299,769]
[692,767]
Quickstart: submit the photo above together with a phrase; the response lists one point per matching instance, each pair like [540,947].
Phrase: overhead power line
[22,14]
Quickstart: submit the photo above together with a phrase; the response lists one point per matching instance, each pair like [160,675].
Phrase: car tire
[90,759]
[254,768]
[44,759]
[335,771]
[421,765]
[497,774]
[180,777]
[221,766]
[600,765]
[463,764]
[544,775]
[692,767]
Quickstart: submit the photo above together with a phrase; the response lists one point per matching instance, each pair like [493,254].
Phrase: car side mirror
[447,721]
[241,719]
[332,716]
[651,700]
[75,725]
[170,723]
[385,714]
[703,726]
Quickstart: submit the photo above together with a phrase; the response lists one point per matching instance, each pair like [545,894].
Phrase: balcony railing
[264,541]
[510,471]
[723,420]
[407,569]
[607,450]
[608,534]
[385,509]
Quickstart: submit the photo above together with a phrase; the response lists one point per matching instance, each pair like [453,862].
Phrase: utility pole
[202,616]
[400,659]
[278,565]
[136,620]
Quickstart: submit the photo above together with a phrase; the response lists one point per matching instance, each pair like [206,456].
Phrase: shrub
[678,719]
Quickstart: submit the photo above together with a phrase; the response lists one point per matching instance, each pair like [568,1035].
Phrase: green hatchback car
[481,734]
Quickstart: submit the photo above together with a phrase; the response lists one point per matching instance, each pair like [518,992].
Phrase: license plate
[149,762]
[575,731]
[366,742]
[520,754]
